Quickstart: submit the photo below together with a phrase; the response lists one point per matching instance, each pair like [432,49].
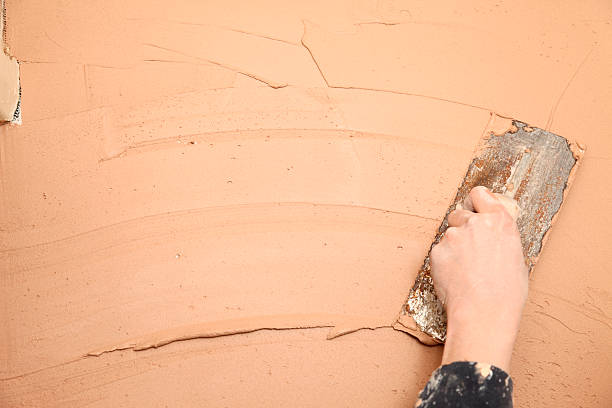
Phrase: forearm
[480,275]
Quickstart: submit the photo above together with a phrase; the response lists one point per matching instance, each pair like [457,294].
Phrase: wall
[194,171]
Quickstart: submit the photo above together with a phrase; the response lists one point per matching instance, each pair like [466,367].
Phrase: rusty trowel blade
[530,165]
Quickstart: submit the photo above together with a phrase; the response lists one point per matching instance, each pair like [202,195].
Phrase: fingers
[450,235]
[510,205]
[467,204]
[484,201]
[459,217]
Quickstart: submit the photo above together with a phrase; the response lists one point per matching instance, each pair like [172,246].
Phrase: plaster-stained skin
[151,130]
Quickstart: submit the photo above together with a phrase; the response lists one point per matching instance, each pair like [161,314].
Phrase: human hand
[480,275]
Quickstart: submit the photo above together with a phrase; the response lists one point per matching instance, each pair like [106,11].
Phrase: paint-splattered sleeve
[467,384]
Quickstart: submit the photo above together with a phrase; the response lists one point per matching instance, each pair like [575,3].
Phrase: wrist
[488,318]
[478,348]
[485,337]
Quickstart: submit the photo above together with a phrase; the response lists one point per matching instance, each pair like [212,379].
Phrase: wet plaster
[210,201]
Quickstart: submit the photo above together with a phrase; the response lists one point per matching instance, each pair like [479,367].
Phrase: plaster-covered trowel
[528,167]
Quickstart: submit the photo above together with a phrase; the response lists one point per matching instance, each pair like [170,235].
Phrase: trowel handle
[509,204]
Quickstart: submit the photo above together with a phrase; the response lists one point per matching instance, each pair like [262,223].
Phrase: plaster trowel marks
[157,193]
[530,165]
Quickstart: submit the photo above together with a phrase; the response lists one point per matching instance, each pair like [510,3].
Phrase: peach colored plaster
[225,203]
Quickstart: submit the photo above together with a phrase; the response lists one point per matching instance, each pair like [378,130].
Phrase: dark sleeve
[464,384]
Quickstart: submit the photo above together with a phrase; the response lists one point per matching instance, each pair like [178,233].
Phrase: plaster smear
[226,203]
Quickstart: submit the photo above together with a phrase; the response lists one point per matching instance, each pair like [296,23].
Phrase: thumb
[484,201]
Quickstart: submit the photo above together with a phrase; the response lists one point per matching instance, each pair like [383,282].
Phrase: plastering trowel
[531,166]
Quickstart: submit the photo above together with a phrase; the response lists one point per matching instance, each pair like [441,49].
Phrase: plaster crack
[386,23]
[271,83]
[578,308]
[359,88]
[416,95]
[553,110]
[560,322]
[312,56]
[23,375]
[236,30]
[56,43]
[260,36]
[169,61]
[339,325]
[143,345]
[332,335]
